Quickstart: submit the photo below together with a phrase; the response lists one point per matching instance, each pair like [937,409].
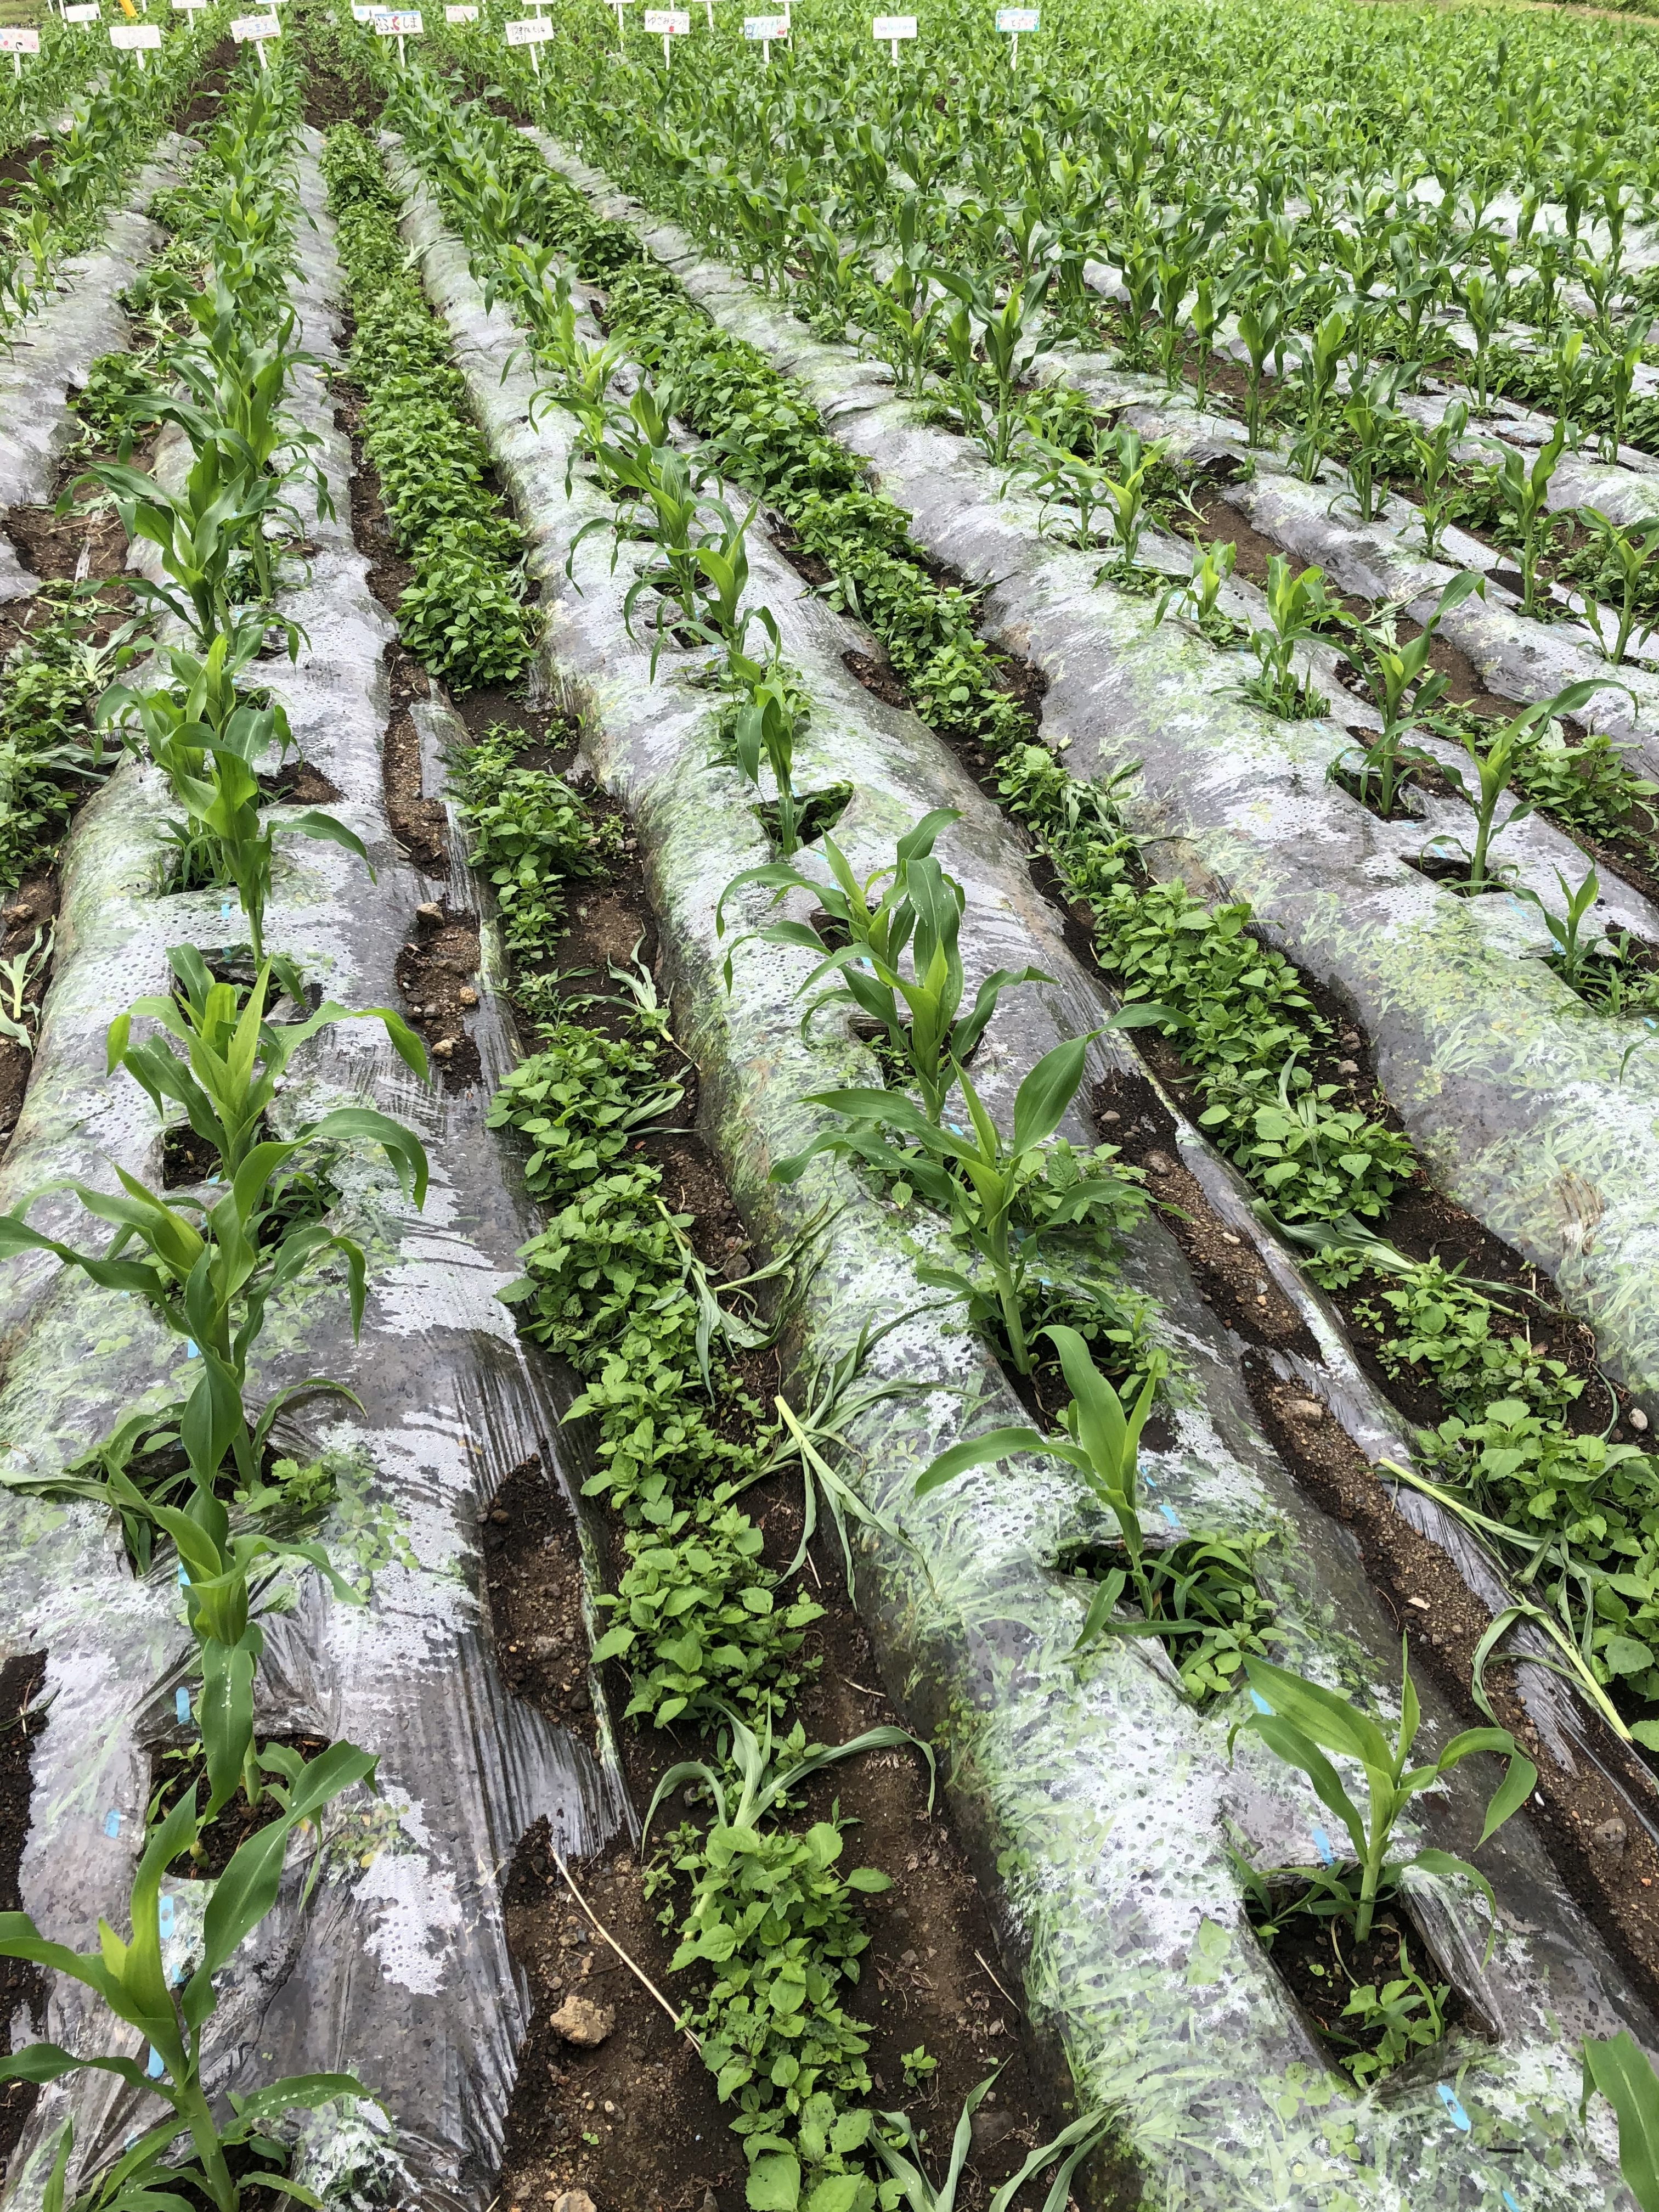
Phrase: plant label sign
[87,12]
[531,31]
[462,15]
[1014,20]
[246,29]
[189,7]
[138,39]
[888,30]
[17,42]
[361,14]
[399,23]
[668,24]
[766,29]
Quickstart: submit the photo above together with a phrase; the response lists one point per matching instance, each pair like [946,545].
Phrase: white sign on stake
[17,43]
[86,12]
[668,24]
[1016,19]
[766,29]
[189,7]
[362,13]
[531,31]
[136,37]
[463,14]
[256,30]
[888,30]
[399,23]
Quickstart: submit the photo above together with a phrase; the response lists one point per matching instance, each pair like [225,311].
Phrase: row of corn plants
[712,1638]
[31,95]
[1341,285]
[1567,1509]
[196,1473]
[1231,995]
[899,1134]
[59,204]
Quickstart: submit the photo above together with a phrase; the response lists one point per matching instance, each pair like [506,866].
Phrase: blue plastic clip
[1454,2112]
[1170,1515]
[154,2068]
[1510,2201]
[190,1352]
[164,1916]
[181,1704]
[1322,1845]
[184,1579]
[112,1823]
[1260,1702]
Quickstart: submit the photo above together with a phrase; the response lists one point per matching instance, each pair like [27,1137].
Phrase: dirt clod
[584,2023]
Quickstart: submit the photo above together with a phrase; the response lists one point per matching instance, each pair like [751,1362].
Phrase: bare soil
[22,1985]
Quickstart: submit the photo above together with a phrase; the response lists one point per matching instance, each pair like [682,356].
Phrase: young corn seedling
[1484,297]
[1624,550]
[1375,429]
[1524,490]
[763,733]
[16,974]
[1617,362]
[1262,328]
[981,1182]
[1322,353]
[899,2149]
[1494,762]
[1303,1723]
[1403,694]
[1567,929]
[130,1979]
[1574,383]
[1124,483]
[999,340]
[1299,606]
[208,739]
[1202,1588]
[1434,459]
[927,1035]
[208,1269]
[1621,2071]
[1197,595]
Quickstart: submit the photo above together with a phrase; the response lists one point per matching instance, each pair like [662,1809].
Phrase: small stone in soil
[1609,1835]
[1638,1419]
[1306,1409]
[1159,1164]
[574,2200]
[468,997]
[430,911]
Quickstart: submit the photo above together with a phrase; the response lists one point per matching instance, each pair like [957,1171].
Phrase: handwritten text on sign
[887,27]
[398,22]
[668,22]
[20,42]
[250,29]
[461,15]
[533,30]
[766,27]
[1019,18]
[135,37]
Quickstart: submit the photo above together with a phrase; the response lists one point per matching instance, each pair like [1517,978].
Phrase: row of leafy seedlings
[1249,1041]
[1000,1197]
[671,1355]
[57,206]
[197,1473]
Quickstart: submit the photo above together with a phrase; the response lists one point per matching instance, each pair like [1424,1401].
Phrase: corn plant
[1434,459]
[1322,352]
[917,922]
[1574,380]
[1617,362]
[1484,297]
[208,1270]
[207,737]
[1369,416]
[1567,929]
[1260,328]
[131,1982]
[980,1182]
[1524,488]
[1201,1592]
[1623,551]
[998,339]
[1302,1723]
[1299,606]
[16,974]
[1494,762]
[1124,485]
[1198,593]
[1404,694]
[896,2145]
[1621,2071]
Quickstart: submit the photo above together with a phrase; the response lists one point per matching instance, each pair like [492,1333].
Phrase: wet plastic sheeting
[398,1971]
[1094,1797]
[54,350]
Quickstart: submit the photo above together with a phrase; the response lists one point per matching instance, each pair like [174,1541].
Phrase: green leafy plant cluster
[532,834]
[700,1620]
[466,615]
[49,758]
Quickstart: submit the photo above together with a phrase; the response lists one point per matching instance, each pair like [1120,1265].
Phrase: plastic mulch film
[55,349]
[1097,1798]
[1518,1094]
[397,1969]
